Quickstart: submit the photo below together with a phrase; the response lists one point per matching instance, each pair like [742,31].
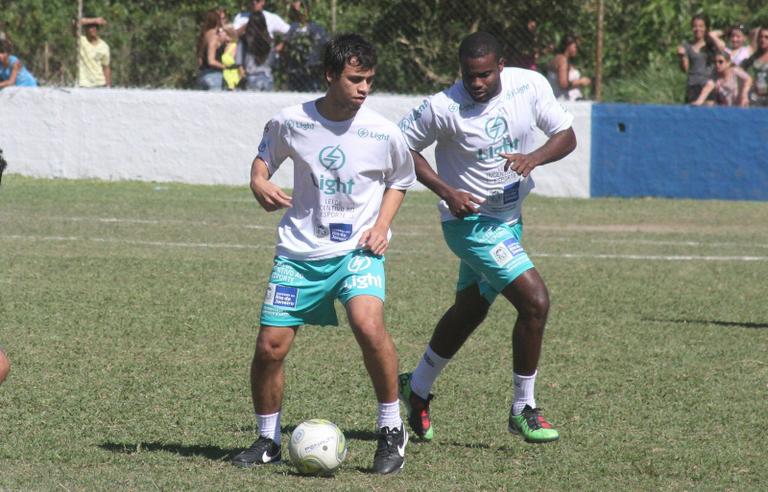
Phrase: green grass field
[129,312]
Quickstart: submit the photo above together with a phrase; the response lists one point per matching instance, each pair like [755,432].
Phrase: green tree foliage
[153,42]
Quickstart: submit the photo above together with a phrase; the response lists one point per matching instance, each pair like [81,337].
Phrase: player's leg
[529,295]
[5,365]
[267,381]
[366,317]
[454,328]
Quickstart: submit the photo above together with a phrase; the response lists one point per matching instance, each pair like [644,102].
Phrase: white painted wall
[188,136]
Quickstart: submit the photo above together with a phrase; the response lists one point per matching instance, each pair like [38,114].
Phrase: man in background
[93,61]
[275,24]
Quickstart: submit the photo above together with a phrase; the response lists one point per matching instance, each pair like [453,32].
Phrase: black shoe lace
[531,416]
[388,439]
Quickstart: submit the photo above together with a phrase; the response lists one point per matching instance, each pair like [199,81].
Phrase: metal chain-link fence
[153,43]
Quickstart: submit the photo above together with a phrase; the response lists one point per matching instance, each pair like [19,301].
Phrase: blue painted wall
[679,152]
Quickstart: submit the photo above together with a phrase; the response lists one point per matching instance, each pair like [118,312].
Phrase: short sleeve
[276,24]
[273,148]
[400,173]
[418,126]
[551,116]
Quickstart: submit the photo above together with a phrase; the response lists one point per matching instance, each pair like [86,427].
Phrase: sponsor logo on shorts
[332,157]
[359,263]
[281,295]
[361,282]
[505,251]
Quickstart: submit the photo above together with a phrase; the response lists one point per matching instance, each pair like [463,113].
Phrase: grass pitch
[129,311]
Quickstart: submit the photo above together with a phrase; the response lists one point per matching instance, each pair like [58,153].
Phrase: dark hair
[256,37]
[565,42]
[5,46]
[211,20]
[701,17]
[348,49]
[479,44]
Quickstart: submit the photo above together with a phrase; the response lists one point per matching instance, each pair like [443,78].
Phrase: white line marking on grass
[394,250]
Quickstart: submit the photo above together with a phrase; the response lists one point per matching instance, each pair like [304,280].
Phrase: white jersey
[341,169]
[471,137]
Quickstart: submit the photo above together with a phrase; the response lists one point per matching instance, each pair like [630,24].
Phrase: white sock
[269,426]
[389,415]
[523,392]
[430,366]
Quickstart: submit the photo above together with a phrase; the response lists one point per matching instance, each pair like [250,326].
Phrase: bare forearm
[390,204]
[558,146]
[428,177]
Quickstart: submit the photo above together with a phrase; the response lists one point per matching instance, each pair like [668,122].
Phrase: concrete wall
[189,136]
[679,152]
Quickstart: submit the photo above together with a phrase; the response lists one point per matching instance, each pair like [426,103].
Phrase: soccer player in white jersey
[352,168]
[484,128]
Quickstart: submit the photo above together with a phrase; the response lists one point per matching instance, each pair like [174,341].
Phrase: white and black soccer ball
[317,447]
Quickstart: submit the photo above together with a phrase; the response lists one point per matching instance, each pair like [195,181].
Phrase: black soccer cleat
[264,450]
[390,451]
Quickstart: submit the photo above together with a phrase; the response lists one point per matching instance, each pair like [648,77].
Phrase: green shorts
[490,253]
[303,292]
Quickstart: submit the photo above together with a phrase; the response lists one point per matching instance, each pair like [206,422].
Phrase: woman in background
[758,63]
[12,71]
[565,79]
[696,56]
[210,43]
[254,54]
[730,85]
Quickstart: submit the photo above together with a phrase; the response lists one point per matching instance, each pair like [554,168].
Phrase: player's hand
[374,240]
[522,164]
[269,195]
[461,203]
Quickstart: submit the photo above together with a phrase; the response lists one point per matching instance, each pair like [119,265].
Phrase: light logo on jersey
[331,186]
[332,157]
[366,133]
[495,128]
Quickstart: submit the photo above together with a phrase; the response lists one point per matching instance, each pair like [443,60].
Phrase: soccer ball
[317,447]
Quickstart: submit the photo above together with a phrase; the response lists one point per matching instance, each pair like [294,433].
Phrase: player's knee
[536,305]
[269,350]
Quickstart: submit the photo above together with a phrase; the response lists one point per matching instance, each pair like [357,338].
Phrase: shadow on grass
[734,324]
[355,434]
[211,452]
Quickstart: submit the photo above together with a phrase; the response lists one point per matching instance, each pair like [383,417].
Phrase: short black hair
[479,44]
[348,48]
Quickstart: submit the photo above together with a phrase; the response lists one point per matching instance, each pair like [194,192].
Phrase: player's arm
[268,194]
[459,202]
[375,238]
[558,146]
[107,75]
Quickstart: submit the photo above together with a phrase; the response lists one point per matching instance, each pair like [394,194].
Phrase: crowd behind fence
[580,45]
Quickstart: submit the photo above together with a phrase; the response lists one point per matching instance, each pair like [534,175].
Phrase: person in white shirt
[484,126]
[352,168]
[275,24]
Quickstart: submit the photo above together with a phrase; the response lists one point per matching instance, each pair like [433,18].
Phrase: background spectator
[758,63]
[5,365]
[696,57]
[565,79]
[12,72]
[301,57]
[255,54]
[209,50]
[276,26]
[233,73]
[739,49]
[93,60]
[730,85]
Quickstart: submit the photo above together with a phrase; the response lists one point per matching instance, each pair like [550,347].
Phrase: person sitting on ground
[565,79]
[12,71]
[730,85]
